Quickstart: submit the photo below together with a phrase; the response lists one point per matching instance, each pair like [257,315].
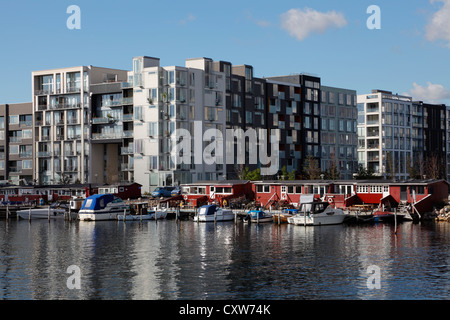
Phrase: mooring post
[395,220]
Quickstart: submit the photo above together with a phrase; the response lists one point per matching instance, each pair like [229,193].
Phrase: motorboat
[41,213]
[212,213]
[258,216]
[317,214]
[387,216]
[150,215]
[284,215]
[102,207]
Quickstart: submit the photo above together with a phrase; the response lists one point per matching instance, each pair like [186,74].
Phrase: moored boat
[102,207]
[387,216]
[258,216]
[41,213]
[212,213]
[150,215]
[317,214]
[284,215]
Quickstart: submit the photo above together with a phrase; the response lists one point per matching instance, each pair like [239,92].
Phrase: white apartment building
[62,111]
[385,133]
[165,100]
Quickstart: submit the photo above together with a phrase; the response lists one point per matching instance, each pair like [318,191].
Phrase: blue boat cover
[97,201]
[209,209]
[256,213]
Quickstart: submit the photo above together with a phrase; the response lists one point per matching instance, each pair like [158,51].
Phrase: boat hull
[150,216]
[41,214]
[317,220]
[260,220]
[98,216]
[229,216]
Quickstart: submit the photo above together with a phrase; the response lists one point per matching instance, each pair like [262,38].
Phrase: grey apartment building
[16,143]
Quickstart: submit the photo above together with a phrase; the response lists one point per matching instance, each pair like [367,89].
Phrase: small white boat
[212,213]
[317,214]
[160,214]
[258,216]
[102,207]
[41,213]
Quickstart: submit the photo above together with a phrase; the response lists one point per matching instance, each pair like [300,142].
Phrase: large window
[73,82]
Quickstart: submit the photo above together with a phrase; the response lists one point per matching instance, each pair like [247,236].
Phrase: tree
[284,173]
[254,175]
[411,168]
[292,175]
[364,173]
[433,167]
[332,172]
[311,168]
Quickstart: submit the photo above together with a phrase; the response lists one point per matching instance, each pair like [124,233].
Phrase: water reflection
[186,260]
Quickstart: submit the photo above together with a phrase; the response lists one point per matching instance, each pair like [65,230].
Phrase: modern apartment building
[338,111]
[385,133]
[429,139]
[62,111]
[165,101]
[245,108]
[16,143]
[294,108]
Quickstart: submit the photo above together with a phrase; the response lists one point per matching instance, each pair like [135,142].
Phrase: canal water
[185,260]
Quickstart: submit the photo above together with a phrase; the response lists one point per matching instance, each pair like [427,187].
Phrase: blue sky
[409,54]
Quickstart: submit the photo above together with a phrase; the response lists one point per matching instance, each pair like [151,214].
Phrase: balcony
[15,139]
[25,155]
[103,120]
[25,124]
[127,151]
[72,121]
[65,106]
[73,89]
[42,92]
[128,117]
[126,167]
[126,85]
[126,101]
[44,154]
[70,168]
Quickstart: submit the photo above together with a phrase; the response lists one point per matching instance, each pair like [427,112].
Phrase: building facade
[16,143]
[62,112]
[385,133]
[338,111]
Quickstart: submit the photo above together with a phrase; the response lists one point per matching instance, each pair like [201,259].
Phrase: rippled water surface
[186,260]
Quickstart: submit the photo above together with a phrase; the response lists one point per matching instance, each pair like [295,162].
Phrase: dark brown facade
[16,143]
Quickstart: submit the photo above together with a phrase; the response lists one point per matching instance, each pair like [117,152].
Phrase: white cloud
[433,93]
[189,18]
[439,26]
[301,23]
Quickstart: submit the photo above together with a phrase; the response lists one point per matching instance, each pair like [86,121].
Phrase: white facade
[61,119]
[167,99]
[385,133]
